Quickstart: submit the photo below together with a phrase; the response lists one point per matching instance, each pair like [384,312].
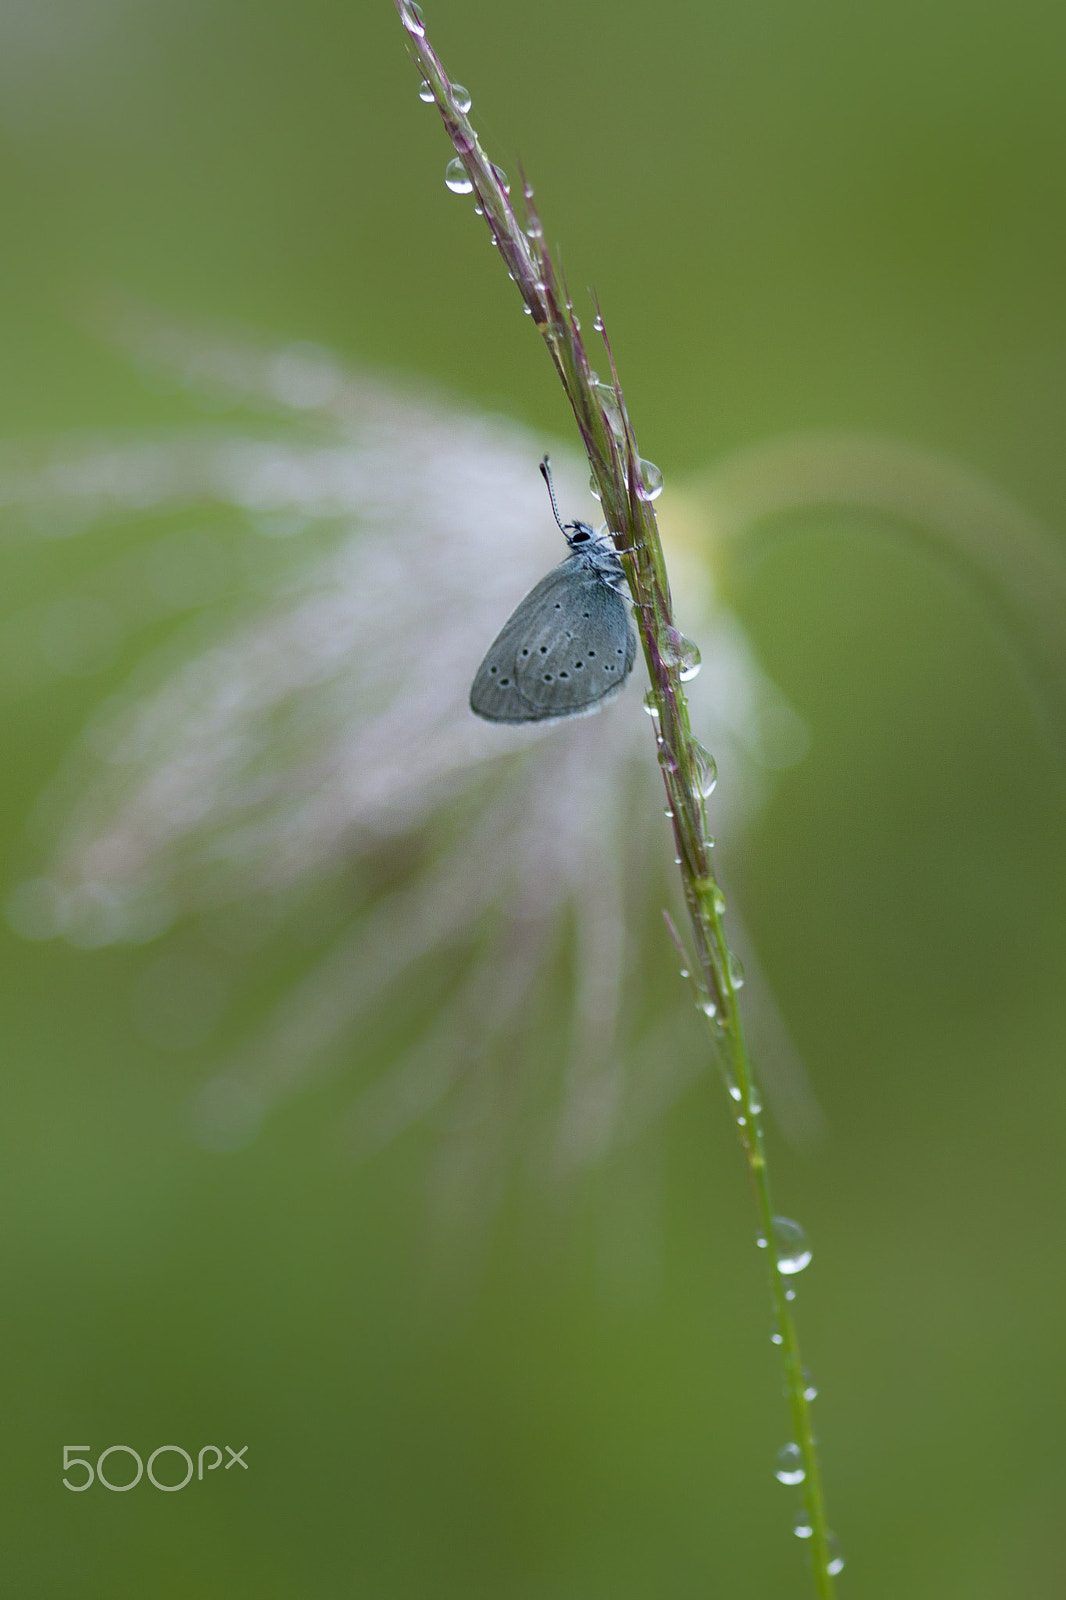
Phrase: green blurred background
[818,217]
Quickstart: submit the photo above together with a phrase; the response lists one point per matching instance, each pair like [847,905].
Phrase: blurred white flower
[310,728]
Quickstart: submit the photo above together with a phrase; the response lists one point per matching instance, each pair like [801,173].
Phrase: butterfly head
[578,534]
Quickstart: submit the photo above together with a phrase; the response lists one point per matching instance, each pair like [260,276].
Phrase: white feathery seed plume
[315,715]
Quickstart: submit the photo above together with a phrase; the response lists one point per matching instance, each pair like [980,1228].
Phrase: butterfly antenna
[546,474]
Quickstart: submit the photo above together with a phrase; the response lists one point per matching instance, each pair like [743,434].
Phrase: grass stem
[627,486]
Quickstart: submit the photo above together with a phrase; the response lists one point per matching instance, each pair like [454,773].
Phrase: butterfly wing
[566,649]
[495,694]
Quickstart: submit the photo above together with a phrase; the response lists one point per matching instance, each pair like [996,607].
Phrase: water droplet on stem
[706,771]
[791,1249]
[457,177]
[651,480]
[605,394]
[683,653]
[788,1466]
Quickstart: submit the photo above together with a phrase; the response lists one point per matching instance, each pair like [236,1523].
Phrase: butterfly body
[569,646]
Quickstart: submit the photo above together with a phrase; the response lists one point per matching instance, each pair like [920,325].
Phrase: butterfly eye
[579,538]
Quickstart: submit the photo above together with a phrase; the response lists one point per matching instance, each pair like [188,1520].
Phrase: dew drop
[651,480]
[685,972]
[791,1249]
[534,228]
[776,1338]
[681,652]
[425,92]
[754,1100]
[709,1009]
[690,663]
[527,310]
[479,211]
[668,814]
[735,1094]
[412,19]
[457,178]
[605,394]
[706,771]
[801,1525]
[597,323]
[595,493]
[810,1388]
[651,702]
[667,759]
[835,1563]
[735,972]
[502,179]
[461,98]
[788,1466]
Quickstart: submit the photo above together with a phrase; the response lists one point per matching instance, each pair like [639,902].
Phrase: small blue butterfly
[569,646]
